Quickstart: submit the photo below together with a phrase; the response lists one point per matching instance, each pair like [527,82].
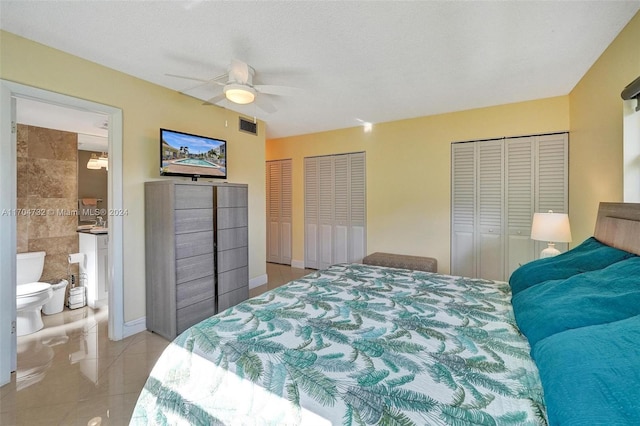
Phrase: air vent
[248,126]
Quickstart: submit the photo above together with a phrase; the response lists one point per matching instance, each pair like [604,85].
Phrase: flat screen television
[184,154]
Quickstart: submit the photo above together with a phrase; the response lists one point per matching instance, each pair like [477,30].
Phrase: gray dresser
[196,239]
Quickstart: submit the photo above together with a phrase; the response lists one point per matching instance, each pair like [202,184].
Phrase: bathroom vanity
[95,270]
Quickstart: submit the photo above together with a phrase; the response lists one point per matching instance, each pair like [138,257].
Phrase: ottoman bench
[417,263]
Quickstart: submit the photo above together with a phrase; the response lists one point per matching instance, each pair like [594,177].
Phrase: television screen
[184,154]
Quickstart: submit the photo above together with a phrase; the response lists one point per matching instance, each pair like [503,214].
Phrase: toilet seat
[31,289]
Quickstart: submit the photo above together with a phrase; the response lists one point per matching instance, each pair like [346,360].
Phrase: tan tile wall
[47,189]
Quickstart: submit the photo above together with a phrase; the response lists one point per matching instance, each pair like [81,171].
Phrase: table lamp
[552,228]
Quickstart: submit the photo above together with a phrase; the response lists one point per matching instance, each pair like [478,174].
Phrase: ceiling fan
[237,86]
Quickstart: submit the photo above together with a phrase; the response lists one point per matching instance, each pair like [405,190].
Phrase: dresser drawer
[232,298]
[232,196]
[193,314]
[194,220]
[194,291]
[192,268]
[232,259]
[233,280]
[232,217]
[194,244]
[193,197]
[232,238]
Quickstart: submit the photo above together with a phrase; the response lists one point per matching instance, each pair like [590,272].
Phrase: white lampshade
[239,93]
[552,228]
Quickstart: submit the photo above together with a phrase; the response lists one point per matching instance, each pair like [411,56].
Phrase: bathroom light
[552,228]
[103,160]
[93,163]
[239,93]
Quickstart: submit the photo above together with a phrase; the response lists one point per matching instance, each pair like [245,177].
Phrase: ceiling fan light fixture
[239,93]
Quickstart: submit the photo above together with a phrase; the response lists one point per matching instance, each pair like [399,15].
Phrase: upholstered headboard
[618,225]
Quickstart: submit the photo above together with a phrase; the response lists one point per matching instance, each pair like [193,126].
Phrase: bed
[361,344]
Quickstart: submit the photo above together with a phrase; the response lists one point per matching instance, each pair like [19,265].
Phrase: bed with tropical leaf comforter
[352,344]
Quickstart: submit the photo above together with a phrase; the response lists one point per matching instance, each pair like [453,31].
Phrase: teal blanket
[352,344]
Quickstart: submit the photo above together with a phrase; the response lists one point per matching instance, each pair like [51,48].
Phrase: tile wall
[47,188]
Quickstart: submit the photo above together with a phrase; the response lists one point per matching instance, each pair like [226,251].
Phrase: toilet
[30,294]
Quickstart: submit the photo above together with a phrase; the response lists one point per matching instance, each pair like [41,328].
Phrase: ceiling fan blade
[221,79]
[201,83]
[214,100]
[188,89]
[239,71]
[264,104]
[188,78]
[270,89]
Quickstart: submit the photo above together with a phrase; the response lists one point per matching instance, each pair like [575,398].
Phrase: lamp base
[550,251]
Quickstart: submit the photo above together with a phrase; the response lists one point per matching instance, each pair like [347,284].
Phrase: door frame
[8,202]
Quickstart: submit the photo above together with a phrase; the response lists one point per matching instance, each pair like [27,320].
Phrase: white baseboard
[258,281]
[297,264]
[134,327]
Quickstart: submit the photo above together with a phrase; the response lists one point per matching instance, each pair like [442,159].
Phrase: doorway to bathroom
[11,95]
[62,171]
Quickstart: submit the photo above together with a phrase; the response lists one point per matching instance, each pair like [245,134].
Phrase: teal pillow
[595,297]
[591,375]
[588,256]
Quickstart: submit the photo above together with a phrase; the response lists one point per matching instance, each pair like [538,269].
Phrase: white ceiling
[356,61]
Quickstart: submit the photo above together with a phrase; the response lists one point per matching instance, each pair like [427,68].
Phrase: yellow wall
[408,170]
[596,141]
[146,107]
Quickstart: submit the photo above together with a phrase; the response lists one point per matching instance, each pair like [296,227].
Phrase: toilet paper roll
[76,258]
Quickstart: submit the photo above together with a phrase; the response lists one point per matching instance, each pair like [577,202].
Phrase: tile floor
[70,373]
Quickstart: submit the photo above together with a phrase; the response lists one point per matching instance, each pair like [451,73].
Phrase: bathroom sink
[93,229]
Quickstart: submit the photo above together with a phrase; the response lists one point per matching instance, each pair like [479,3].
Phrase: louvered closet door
[311,212]
[552,179]
[496,187]
[273,178]
[358,211]
[463,209]
[342,203]
[278,181]
[335,209]
[325,211]
[286,212]
[519,202]
[490,210]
